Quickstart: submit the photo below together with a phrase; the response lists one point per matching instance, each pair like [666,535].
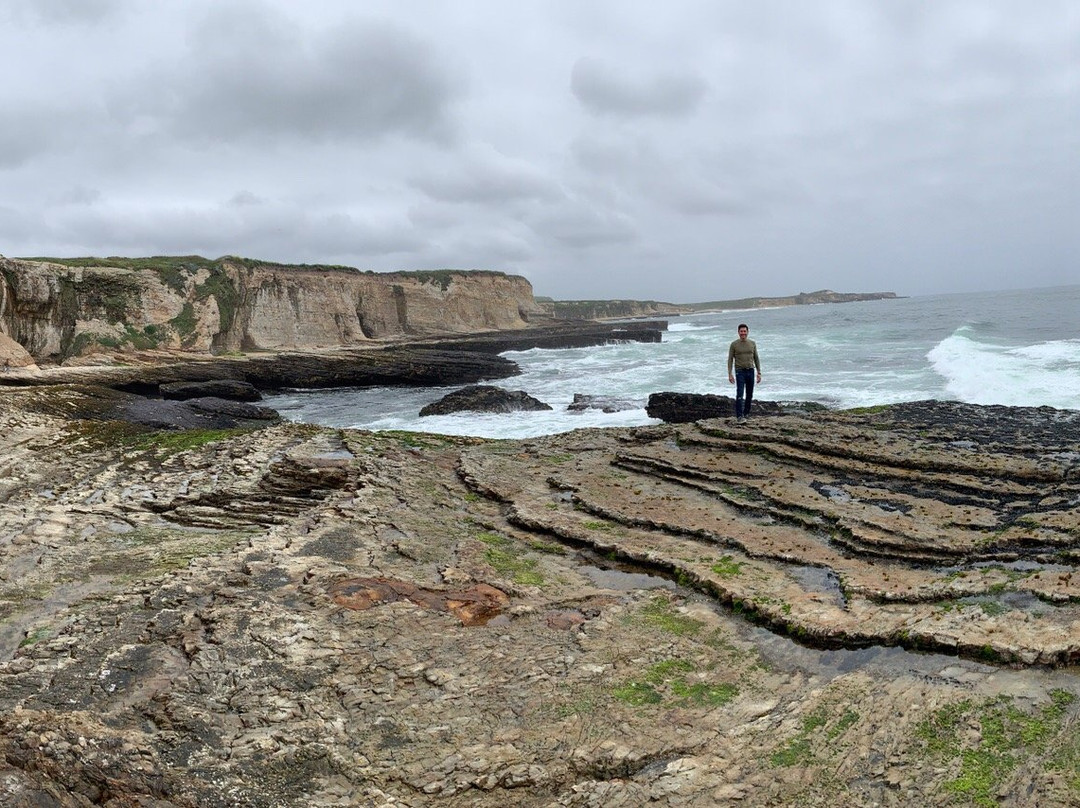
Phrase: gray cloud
[281,231]
[252,74]
[78,195]
[488,182]
[23,137]
[705,149]
[581,224]
[605,90]
[16,226]
[60,12]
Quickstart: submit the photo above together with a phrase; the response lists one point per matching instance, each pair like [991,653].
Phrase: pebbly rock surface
[484,398]
[680,615]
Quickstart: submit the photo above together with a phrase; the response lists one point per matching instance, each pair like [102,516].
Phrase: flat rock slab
[195,413]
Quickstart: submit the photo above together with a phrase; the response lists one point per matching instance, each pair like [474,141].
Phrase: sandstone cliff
[61,308]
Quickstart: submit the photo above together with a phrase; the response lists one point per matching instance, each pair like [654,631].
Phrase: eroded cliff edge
[61,309]
[299,616]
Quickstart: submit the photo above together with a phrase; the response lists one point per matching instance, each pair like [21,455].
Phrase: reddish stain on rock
[565,619]
[474,606]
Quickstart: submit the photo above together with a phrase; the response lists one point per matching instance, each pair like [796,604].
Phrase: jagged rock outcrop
[586,401]
[484,398]
[62,309]
[305,617]
[682,408]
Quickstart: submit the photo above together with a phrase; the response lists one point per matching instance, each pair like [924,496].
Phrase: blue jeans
[744,391]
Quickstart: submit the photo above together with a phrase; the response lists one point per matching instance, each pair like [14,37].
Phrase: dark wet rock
[405,366]
[682,408]
[563,335]
[195,413]
[584,402]
[98,403]
[218,388]
[970,426]
[240,410]
[484,398]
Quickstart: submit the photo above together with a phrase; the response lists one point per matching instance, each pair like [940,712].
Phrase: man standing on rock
[742,354]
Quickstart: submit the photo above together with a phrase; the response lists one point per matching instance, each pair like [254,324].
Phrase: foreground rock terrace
[298,616]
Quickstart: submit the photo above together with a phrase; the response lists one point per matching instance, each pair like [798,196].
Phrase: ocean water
[1018,348]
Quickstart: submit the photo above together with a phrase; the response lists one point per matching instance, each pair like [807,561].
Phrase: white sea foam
[1031,375]
[1015,348]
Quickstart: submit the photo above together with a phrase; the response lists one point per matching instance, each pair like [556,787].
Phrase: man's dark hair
[743,325]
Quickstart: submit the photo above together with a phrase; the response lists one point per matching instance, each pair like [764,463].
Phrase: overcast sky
[675,150]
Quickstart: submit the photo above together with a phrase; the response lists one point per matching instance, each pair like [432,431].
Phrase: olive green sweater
[743,353]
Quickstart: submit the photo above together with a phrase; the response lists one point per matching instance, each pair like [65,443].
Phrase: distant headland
[614,309]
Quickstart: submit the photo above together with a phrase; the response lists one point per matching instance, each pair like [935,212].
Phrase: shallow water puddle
[821,580]
[609,578]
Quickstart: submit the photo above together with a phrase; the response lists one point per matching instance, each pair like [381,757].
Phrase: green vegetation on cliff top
[168,266]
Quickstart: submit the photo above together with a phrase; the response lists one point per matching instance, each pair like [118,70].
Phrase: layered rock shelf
[888,528]
[686,614]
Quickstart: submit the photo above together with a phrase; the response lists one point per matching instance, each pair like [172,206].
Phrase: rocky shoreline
[823,608]
[137,389]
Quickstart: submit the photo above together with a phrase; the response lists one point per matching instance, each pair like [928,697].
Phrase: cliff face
[58,309]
